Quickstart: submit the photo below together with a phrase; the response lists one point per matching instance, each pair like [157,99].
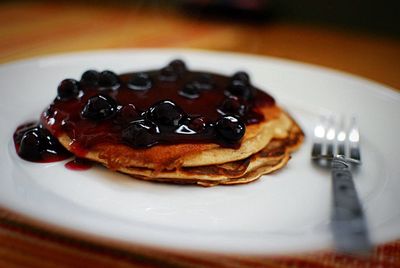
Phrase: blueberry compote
[142,109]
[79,164]
[34,143]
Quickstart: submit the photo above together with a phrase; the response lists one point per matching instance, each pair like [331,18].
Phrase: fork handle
[348,221]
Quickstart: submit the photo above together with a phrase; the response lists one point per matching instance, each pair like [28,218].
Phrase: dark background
[376,17]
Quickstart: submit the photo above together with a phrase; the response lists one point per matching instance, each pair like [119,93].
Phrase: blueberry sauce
[166,106]
[35,143]
[79,164]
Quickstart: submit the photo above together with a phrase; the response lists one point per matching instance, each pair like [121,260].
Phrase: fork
[336,145]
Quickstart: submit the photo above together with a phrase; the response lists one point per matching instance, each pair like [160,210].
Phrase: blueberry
[240,86]
[241,76]
[166,113]
[192,125]
[31,145]
[36,143]
[90,77]
[230,129]
[168,74]
[99,107]
[198,124]
[68,89]
[21,130]
[241,89]
[204,81]
[190,91]
[178,65]
[140,81]
[108,79]
[126,114]
[172,71]
[233,106]
[140,133]
[49,143]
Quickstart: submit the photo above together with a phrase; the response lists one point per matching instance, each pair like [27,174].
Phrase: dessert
[171,125]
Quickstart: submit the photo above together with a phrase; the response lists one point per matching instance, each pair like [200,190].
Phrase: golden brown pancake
[271,158]
[261,152]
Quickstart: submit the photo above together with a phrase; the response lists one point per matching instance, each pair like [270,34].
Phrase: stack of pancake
[265,146]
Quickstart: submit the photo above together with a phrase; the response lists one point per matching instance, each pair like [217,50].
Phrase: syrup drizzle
[79,164]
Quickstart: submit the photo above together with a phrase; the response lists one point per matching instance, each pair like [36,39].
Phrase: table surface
[30,29]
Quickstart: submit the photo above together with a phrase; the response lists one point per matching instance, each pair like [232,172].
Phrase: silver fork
[336,145]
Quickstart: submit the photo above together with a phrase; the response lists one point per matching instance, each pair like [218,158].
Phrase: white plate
[284,212]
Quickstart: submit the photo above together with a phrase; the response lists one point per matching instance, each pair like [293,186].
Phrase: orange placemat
[28,243]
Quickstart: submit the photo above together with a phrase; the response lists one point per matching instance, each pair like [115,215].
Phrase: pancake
[174,125]
[162,157]
[261,152]
[269,159]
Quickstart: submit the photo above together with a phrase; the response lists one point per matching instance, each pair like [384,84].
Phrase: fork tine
[330,138]
[319,134]
[354,141]
[316,151]
[341,138]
